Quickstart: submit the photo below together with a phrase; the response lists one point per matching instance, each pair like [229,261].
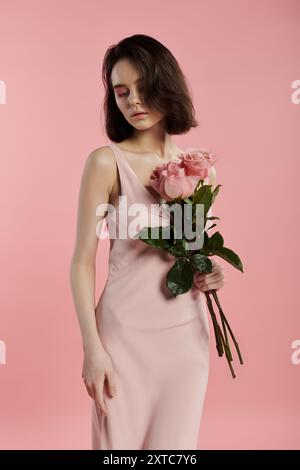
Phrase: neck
[154,141]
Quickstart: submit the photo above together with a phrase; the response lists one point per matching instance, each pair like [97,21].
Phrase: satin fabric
[159,344]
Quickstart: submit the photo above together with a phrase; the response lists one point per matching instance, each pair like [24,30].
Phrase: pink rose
[171,181]
[197,162]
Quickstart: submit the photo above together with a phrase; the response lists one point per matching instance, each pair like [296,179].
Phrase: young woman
[146,352]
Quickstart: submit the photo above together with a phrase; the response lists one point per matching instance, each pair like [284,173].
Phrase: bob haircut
[164,86]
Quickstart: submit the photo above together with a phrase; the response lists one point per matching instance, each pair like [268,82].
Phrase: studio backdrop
[241,61]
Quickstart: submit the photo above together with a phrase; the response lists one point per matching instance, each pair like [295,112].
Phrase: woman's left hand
[209,281]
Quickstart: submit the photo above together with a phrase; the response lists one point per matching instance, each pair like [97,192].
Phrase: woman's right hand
[97,365]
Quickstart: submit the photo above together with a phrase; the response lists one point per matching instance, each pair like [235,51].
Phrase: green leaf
[230,256]
[180,276]
[215,192]
[216,242]
[203,196]
[201,263]
[205,249]
[188,201]
[159,235]
[178,250]
[211,226]
[199,194]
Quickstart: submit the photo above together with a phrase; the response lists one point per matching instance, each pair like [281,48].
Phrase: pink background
[240,59]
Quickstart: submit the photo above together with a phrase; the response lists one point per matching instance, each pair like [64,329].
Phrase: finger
[111,382]
[219,281]
[216,270]
[207,275]
[215,286]
[90,390]
[200,275]
[98,390]
[207,279]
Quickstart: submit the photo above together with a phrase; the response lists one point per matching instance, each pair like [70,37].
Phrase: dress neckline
[148,153]
[136,176]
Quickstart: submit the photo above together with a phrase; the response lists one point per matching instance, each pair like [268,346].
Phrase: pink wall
[240,59]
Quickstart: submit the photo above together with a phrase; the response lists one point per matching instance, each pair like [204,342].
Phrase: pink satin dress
[158,343]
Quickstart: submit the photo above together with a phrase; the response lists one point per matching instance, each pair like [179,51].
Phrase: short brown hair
[164,86]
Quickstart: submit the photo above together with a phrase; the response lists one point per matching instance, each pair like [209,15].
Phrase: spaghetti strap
[132,187]
[131,182]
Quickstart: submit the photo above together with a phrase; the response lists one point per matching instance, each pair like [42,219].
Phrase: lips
[138,112]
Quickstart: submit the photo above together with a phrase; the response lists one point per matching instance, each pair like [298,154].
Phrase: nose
[134,98]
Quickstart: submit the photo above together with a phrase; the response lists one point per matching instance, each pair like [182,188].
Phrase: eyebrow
[119,85]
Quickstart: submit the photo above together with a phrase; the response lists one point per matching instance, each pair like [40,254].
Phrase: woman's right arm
[96,185]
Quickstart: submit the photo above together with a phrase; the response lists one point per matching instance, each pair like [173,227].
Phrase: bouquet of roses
[181,186]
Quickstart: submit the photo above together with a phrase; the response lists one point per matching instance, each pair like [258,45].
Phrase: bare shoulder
[101,164]
[102,158]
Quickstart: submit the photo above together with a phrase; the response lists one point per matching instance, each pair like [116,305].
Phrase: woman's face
[128,89]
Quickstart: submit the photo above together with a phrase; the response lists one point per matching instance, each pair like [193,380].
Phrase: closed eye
[124,94]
